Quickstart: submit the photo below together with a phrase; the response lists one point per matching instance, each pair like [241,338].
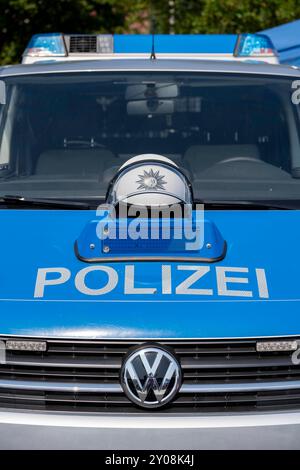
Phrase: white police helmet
[149,180]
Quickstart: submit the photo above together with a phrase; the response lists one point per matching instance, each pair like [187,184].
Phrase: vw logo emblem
[151,376]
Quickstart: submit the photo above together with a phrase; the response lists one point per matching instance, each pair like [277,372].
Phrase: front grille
[84,376]
[81,44]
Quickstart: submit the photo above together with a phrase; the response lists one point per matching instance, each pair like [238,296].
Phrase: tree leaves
[20,19]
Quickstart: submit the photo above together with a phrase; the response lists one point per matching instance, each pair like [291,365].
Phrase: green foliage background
[19,19]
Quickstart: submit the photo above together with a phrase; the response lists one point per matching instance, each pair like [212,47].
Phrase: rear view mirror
[153,106]
[151,90]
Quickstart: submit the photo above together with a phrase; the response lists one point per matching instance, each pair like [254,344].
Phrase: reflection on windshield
[66,135]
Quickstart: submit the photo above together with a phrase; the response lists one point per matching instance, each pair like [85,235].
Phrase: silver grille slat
[116,388]
[107,364]
[240,387]
[60,386]
[115,363]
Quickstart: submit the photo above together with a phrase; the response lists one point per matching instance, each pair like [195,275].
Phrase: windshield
[65,135]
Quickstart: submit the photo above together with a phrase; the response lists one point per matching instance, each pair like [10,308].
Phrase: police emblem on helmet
[151,180]
[151,376]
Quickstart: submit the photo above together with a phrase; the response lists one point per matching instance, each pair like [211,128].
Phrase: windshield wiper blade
[252,205]
[17,200]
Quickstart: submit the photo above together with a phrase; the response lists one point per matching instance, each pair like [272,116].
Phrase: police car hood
[252,292]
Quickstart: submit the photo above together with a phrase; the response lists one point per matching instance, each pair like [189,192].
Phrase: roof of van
[180,65]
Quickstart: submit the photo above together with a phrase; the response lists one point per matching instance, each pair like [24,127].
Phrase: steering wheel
[240,159]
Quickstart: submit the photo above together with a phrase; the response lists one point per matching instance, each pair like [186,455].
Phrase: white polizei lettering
[227,284]
[64,275]
[166,279]
[223,280]
[263,290]
[112,280]
[185,286]
[129,287]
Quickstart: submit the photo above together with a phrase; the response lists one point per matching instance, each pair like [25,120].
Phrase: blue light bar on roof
[254,45]
[97,46]
[45,45]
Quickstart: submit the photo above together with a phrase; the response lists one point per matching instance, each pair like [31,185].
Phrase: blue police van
[149,192]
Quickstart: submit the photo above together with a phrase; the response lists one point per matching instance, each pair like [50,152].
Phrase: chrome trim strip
[116,365]
[79,365]
[60,386]
[240,387]
[116,388]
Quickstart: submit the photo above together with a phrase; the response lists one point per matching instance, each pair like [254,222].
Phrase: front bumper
[41,430]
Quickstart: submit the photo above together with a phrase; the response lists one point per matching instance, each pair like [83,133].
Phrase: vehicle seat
[199,157]
[80,162]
